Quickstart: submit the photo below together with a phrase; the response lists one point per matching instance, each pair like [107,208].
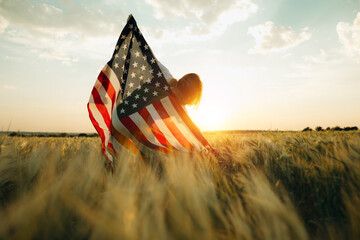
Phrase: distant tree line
[27,134]
[337,128]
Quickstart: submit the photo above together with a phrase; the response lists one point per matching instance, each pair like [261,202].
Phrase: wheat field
[266,185]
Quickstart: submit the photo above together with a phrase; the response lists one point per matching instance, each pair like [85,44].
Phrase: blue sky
[264,64]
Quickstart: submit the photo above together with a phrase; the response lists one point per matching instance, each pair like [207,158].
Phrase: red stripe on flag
[108,87]
[144,113]
[97,127]
[110,145]
[171,125]
[101,107]
[136,132]
[124,141]
[185,117]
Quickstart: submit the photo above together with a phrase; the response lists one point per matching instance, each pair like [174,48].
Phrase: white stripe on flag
[96,114]
[117,146]
[164,129]
[109,73]
[181,125]
[123,130]
[104,96]
[107,136]
[145,129]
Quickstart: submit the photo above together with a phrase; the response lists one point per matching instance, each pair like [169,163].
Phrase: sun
[206,119]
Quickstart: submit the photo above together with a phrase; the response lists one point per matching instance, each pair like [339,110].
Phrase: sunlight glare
[206,119]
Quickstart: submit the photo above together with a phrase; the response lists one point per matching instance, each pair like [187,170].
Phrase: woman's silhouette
[187,90]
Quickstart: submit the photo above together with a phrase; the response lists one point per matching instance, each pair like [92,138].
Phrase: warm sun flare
[206,120]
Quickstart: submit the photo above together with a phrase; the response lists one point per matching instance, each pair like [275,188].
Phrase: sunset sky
[280,64]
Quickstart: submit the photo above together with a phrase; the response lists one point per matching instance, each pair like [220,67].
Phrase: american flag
[132,106]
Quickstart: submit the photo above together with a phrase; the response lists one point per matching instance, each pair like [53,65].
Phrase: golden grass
[266,185]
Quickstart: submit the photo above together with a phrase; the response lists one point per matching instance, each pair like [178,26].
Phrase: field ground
[265,185]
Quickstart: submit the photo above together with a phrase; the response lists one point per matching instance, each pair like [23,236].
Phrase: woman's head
[188,89]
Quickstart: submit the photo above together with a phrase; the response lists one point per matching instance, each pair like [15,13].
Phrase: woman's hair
[189,89]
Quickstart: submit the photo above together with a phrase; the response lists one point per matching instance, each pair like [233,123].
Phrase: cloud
[349,35]
[316,65]
[320,58]
[57,33]
[214,51]
[81,30]
[3,24]
[12,58]
[205,16]
[296,75]
[271,38]
[43,18]
[183,51]
[8,87]
[55,54]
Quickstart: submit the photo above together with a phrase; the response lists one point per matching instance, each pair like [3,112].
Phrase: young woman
[187,90]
